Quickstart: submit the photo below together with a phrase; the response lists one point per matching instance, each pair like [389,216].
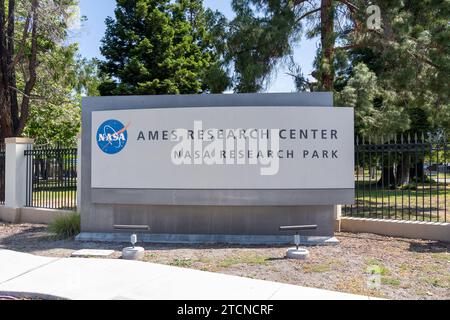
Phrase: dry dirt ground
[366,264]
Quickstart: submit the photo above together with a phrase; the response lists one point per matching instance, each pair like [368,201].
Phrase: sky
[90,32]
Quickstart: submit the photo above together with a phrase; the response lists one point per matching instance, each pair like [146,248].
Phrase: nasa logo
[112,136]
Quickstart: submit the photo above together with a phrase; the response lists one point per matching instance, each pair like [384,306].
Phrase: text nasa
[111,137]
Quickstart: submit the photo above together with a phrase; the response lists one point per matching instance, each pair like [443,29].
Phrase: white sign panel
[223,148]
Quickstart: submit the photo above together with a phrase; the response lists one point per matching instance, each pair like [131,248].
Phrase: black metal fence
[403,177]
[51,177]
[2,174]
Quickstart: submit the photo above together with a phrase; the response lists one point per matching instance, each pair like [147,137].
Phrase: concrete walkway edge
[105,279]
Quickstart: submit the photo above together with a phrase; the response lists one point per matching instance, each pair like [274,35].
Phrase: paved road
[79,278]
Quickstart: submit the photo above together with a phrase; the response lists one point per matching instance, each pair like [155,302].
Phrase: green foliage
[88,77]
[159,47]
[54,113]
[66,226]
[410,58]
[33,55]
[55,117]
[397,78]
[376,112]
[257,39]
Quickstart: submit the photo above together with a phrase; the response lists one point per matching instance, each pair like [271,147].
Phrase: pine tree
[158,47]
[395,75]
[410,58]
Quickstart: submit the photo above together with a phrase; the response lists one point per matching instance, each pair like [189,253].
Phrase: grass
[322,267]
[206,265]
[211,264]
[150,256]
[183,263]
[67,194]
[317,268]
[54,199]
[368,191]
[358,285]
[390,281]
[244,258]
[437,282]
[441,175]
[414,202]
[374,266]
[65,226]
[445,256]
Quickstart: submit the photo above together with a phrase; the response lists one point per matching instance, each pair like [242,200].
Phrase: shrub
[66,226]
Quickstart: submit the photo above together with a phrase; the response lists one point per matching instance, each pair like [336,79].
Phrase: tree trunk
[417,172]
[6,52]
[36,170]
[327,42]
[60,166]
[404,171]
[11,123]
[387,179]
[6,123]
[372,172]
[403,174]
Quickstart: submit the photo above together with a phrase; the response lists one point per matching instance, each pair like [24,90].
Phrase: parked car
[435,168]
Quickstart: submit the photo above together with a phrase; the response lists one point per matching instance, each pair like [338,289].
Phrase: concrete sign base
[207,238]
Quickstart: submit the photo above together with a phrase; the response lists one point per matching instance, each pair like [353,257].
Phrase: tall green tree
[410,58]
[55,117]
[159,47]
[394,68]
[30,32]
[398,79]
[265,32]
[260,35]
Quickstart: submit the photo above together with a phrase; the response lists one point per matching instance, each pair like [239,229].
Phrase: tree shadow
[429,247]
[276,258]
[415,245]
[32,239]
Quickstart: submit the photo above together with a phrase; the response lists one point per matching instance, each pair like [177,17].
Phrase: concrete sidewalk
[80,278]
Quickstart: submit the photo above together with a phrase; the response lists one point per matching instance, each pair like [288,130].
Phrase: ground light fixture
[297,253]
[133,252]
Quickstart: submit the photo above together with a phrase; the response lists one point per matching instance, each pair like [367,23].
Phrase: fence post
[16,171]
[337,217]
[78,172]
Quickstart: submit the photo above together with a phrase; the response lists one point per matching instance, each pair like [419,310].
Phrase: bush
[66,226]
